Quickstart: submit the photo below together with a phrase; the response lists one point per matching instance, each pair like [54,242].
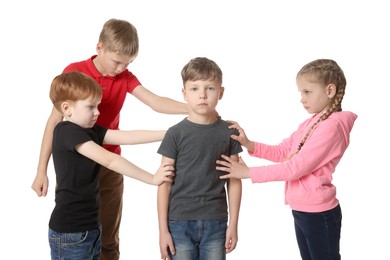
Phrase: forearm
[162,206]
[160,104]
[234,197]
[120,165]
[44,156]
[133,137]
[250,146]
[169,106]
[47,141]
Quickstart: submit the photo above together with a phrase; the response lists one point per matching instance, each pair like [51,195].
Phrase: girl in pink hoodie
[306,160]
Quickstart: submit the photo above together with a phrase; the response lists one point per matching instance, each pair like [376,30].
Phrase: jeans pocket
[67,238]
[76,238]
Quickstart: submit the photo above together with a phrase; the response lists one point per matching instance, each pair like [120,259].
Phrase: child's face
[83,112]
[202,96]
[111,63]
[314,96]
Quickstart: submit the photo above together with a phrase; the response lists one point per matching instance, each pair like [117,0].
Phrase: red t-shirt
[114,94]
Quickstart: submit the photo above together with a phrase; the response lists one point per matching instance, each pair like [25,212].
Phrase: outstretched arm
[41,182]
[133,137]
[160,104]
[119,164]
[163,193]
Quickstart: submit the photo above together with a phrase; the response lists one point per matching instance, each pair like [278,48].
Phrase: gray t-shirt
[197,192]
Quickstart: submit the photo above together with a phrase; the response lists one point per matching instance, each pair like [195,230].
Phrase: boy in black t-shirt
[74,227]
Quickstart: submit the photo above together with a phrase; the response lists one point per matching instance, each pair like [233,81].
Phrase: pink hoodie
[308,174]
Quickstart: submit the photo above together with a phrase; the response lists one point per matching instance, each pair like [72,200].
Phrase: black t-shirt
[77,177]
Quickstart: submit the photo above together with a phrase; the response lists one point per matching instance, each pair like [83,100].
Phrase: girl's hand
[241,137]
[237,170]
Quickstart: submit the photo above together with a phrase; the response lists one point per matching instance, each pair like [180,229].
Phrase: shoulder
[224,122]
[100,130]
[225,125]
[343,116]
[65,133]
[131,81]
[78,64]
[128,74]
[67,126]
[344,119]
[180,125]
[74,129]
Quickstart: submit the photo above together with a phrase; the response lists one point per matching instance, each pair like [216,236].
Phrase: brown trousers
[111,192]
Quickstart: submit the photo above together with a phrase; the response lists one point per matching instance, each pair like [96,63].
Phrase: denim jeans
[198,239]
[318,234]
[75,246]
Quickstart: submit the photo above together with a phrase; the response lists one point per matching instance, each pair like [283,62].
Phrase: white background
[260,46]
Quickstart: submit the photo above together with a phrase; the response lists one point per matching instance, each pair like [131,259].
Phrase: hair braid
[325,72]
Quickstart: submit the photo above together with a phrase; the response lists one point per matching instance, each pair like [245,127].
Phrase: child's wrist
[250,146]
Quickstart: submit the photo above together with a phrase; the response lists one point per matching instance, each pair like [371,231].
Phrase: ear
[331,90]
[221,92]
[66,109]
[99,48]
[183,91]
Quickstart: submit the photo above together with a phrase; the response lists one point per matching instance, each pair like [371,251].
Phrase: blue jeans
[318,234]
[75,246]
[198,239]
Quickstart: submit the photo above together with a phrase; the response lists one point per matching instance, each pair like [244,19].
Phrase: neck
[203,119]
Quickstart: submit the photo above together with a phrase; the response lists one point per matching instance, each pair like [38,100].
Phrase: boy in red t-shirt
[117,47]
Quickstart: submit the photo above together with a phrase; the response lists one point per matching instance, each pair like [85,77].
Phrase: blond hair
[120,36]
[324,72]
[73,86]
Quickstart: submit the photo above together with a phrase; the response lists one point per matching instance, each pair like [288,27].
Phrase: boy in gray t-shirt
[193,210]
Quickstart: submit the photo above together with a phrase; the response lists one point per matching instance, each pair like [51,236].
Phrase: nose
[120,68]
[302,99]
[202,94]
